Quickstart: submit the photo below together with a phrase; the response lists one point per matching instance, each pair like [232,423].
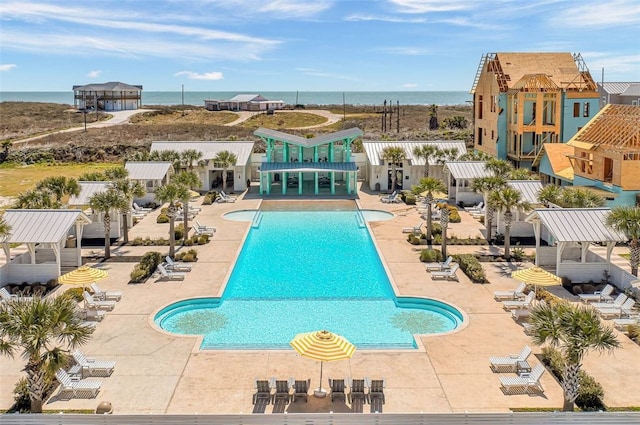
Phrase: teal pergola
[299,155]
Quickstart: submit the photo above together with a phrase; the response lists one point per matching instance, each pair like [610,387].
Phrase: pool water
[303,271]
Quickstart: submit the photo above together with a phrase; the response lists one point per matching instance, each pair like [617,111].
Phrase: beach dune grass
[284,120]
[192,115]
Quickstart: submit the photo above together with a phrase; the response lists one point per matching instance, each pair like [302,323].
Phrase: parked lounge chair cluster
[73,382]
[393,198]
[200,229]
[527,378]
[96,305]
[445,270]
[223,197]
[139,212]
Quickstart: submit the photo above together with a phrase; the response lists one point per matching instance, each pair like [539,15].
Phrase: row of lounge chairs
[223,197]
[393,198]
[6,296]
[526,379]
[73,382]
[200,229]
[96,305]
[445,270]
[290,389]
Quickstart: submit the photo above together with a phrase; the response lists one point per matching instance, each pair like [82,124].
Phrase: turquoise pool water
[303,271]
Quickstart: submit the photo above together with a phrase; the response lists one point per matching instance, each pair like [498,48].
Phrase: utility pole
[398,117]
[384,115]
[183,100]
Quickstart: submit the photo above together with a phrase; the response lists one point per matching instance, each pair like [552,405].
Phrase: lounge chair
[522,304]
[223,197]
[620,299]
[6,296]
[416,230]
[357,390]
[197,224]
[77,387]
[337,388]
[301,389]
[190,214]
[621,311]
[376,390]
[199,231]
[176,267]
[92,314]
[101,294]
[446,274]
[92,303]
[598,296]
[509,363]
[263,391]
[283,390]
[524,382]
[170,275]
[474,208]
[511,295]
[520,313]
[623,323]
[92,367]
[140,209]
[394,198]
[445,265]
[387,198]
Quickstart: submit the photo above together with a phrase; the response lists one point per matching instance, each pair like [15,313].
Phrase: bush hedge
[430,255]
[146,267]
[189,256]
[454,215]
[470,265]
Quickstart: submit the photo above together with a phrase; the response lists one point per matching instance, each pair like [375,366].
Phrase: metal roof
[374,150]
[41,226]
[615,87]
[110,86]
[350,133]
[632,90]
[467,169]
[246,98]
[147,170]
[307,166]
[241,149]
[87,190]
[528,188]
[576,224]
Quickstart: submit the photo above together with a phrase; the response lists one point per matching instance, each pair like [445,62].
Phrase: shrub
[518,254]
[187,256]
[145,268]
[162,218]
[74,293]
[210,197]
[410,199]
[203,239]
[22,402]
[633,332]
[454,215]
[413,239]
[178,232]
[470,265]
[138,275]
[430,255]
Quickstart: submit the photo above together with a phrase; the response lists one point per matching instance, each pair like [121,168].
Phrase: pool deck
[161,373]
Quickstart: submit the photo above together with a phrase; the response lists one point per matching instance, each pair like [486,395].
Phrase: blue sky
[307,45]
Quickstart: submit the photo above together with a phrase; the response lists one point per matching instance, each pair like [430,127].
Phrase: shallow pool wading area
[301,271]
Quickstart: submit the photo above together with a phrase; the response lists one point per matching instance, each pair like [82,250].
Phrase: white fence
[549,418]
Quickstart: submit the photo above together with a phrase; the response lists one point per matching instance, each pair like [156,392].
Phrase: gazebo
[572,231]
[461,176]
[52,239]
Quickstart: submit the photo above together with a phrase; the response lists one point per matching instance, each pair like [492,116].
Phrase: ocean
[289,97]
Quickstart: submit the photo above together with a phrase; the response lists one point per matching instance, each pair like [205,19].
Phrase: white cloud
[279,9]
[393,19]
[406,51]
[94,74]
[426,6]
[617,66]
[409,85]
[599,14]
[316,73]
[7,67]
[197,76]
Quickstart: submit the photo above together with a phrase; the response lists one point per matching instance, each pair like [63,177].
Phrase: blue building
[523,100]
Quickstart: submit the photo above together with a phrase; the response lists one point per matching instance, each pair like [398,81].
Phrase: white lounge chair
[446,274]
[92,303]
[510,362]
[524,382]
[598,296]
[623,323]
[92,314]
[511,295]
[223,197]
[139,209]
[190,214]
[416,230]
[624,310]
[197,224]
[394,198]
[620,299]
[6,296]
[522,304]
[200,231]
[77,387]
[93,367]
[475,208]
[169,275]
[176,267]
[100,294]
[445,265]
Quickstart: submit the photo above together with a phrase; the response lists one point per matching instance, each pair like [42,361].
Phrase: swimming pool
[303,271]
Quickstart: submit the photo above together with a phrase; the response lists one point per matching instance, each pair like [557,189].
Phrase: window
[480,107]
[493,103]
[492,134]
[576,109]
[479,141]
[585,111]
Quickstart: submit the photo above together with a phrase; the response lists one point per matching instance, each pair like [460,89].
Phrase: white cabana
[95,230]
[210,172]
[572,231]
[460,179]
[52,238]
[529,190]
[151,175]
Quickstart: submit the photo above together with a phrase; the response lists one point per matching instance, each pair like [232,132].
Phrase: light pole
[444,222]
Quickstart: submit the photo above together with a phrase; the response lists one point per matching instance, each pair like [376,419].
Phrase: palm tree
[521,174]
[59,186]
[487,185]
[426,152]
[550,194]
[225,159]
[117,173]
[448,154]
[626,220]
[171,193]
[43,330]
[573,330]
[189,156]
[129,189]
[189,180]
[499,167]
[577,197]
[92,176]
[394,154]
[506,200]
[430,185]
[474,156]
[36,199]
[433,117]
[5,229]
[104,202]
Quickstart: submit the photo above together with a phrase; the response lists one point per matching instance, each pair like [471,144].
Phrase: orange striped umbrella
[323,346]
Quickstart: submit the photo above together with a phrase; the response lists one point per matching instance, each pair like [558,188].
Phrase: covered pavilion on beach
[317,165]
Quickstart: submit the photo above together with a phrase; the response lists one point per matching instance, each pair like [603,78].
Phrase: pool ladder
[360,219]
[257,219]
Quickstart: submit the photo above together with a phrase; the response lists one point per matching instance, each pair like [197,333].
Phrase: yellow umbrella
[536,276]
[82,276]
[323,346]
[436,195]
